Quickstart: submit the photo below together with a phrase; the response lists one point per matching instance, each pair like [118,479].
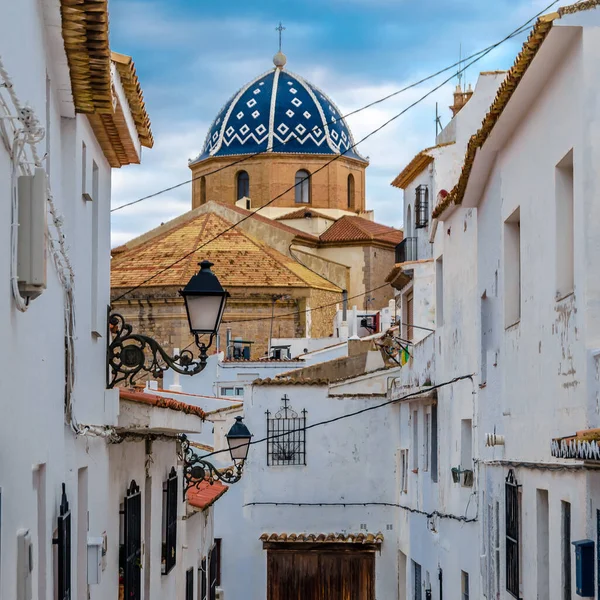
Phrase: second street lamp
[196,469]
[129,353]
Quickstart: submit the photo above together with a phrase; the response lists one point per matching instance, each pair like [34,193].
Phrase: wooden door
[320,575]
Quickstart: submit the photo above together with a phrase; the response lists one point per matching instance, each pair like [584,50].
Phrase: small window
[421,206]
[63,543]
[418,583]
[465,585]
[439,291]
[302,186]
[169,526]
[512,269]
[466,451]
[232,391]
[415,448]
[214,569]
[404,471]
[565,234]
[566,549]
[434,444]
[243,185]
[202,581]
[189,584]
[131,547]
[203,190]
[351,198]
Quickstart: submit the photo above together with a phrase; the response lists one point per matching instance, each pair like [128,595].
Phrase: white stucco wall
[541,380]
[346,462]
[37,451]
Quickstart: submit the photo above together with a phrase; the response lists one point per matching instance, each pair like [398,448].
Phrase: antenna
[459,74]
[438,122]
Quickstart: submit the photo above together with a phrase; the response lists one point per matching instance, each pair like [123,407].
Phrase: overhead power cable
[348,415]
[339,118]
[429,515]
[324,166]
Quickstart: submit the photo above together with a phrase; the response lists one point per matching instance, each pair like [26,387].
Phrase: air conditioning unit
[219,594]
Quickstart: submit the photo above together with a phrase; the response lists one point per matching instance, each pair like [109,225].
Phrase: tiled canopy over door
[320,574]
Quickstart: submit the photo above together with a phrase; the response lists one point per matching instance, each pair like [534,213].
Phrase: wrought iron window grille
[63,541]
[286,436]
[170,517]
[213,569]
[512,518]
[421,206]
[132,542]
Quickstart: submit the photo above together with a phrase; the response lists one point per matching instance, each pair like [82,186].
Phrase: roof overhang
[583,446]
[322,541]
[545,48]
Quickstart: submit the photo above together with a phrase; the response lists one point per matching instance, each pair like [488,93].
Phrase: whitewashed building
[436,282]
[513,305]
[70,111]
[531,177]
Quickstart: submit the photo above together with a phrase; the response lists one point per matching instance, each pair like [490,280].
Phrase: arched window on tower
[351,199]
[302,187]
[203,190]
[243,185]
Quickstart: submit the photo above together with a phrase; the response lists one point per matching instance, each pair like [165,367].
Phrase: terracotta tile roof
[204,447]
[416,165]
[358,229]
[205,494]
[264,360]
[304,213]
[160,402]
[290,381]
[85,34]
[256,215]
[515,75]
[240,260]
[323,538]
[233,407]
[135,97]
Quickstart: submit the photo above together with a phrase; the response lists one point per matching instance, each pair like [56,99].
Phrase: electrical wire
[336,157]
[336,119]
[429,515]
[348,415]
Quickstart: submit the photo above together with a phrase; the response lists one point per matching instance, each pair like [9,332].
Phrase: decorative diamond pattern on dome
[302,119]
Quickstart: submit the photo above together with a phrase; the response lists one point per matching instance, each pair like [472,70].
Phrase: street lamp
[196,469]
[129,353]
[205,300]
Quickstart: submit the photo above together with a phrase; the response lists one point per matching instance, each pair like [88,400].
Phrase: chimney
[460,98]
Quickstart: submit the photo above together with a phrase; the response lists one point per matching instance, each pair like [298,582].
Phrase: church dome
[279,112]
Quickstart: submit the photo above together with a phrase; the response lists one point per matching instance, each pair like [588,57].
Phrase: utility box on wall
[584,568]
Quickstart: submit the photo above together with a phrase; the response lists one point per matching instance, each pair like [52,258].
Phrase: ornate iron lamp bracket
[196,469]
[129,353]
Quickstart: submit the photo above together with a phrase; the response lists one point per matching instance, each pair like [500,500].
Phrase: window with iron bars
[286,436]
[512,534]
[169,540]
[202,581]
[63,541]
[421,206]
[132,543]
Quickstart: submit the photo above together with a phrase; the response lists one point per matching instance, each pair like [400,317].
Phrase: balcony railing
[406,250]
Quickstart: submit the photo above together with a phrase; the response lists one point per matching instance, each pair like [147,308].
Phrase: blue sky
[191,55]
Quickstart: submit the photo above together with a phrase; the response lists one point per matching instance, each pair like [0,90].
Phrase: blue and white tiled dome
[279,112]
